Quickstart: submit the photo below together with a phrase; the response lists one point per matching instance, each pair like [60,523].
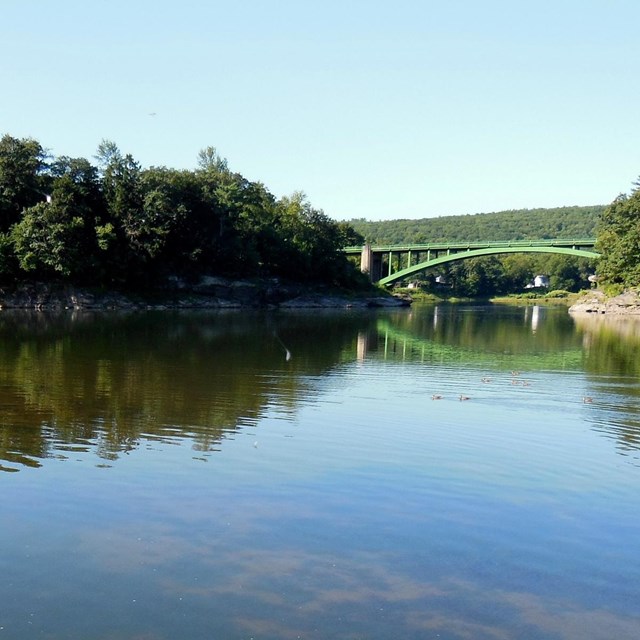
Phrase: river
[454,472]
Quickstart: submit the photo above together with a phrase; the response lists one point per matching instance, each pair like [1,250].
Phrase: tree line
[112,222]
[518,224]
[496,275]
[512,273]
[616,228]
[618,241]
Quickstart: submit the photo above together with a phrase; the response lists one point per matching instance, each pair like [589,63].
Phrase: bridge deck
[406,259]
[479,244]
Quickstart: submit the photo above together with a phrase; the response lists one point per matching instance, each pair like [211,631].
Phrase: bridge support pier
[379,263]
[366,261]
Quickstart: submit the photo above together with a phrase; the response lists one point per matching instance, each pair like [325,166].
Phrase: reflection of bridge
[395,343]
[391,263]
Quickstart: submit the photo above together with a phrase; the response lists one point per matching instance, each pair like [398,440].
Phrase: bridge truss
[393,263]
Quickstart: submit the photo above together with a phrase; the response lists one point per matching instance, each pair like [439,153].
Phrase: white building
[539,282]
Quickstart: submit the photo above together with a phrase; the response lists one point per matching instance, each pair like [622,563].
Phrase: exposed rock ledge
[209,293]
[627,303]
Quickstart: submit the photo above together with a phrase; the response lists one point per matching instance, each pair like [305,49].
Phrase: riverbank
[558,297]
[208,293]
[598,303]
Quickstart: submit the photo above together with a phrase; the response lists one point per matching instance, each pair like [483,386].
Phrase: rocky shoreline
[596,302]
[209,293]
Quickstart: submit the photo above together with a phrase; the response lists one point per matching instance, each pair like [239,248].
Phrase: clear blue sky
[377,110]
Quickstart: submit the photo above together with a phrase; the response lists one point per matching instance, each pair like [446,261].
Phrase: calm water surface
[289,475]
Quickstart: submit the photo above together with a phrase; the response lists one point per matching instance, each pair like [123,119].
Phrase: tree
[312,243]
[107,155]
[23,182]
[123,195]
[60,235]
[519,270]
[618,241]
[210,160]
[524,224]
[568,273]
[49,239]
[119,223]
[483,276]
[165,233]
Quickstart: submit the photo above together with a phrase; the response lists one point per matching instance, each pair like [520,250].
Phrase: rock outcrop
[596,302]
[208,293]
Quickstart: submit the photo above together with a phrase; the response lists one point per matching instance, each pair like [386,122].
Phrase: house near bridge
[539,282]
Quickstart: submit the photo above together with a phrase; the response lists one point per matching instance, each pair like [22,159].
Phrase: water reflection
[284,475]
[611,343]
[612,356]
[73,383]
[497,337]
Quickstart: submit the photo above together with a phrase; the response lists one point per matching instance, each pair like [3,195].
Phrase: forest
[495,275]
[618,241]
[113,223]
[522,224]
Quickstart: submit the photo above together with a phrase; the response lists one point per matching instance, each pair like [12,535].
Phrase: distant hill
[520,224]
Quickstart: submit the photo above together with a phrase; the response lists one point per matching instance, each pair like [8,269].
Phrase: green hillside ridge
[517,224]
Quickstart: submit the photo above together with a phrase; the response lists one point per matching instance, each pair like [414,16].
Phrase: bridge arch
[485,251]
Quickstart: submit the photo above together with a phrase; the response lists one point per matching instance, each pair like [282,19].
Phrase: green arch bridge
[391,263]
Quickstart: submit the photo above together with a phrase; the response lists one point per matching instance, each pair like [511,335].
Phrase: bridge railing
[444,246]
[385,263]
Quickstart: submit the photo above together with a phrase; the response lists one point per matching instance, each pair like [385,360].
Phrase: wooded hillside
[521,224]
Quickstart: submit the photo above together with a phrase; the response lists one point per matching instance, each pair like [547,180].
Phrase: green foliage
[59,236]
[528,296]
[496,275]
[9,266]
[619,241]
[22,178]
[119,223]
[499,275]
[49,238]
[523,224]
[475,277]
[313,241]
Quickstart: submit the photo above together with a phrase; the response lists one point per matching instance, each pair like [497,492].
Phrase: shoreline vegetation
[591,302]
[114,234]
[122,227]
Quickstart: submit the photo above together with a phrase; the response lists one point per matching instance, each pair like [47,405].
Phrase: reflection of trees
[513,336]
[529,339]
[611,347]
[106,382]
[612,352]
[611,343]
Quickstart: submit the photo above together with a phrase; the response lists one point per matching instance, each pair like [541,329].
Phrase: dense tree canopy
[619,241]
[114,222]
[513,273]
[118,223]
[503,274]
[22,178]
[524,224]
